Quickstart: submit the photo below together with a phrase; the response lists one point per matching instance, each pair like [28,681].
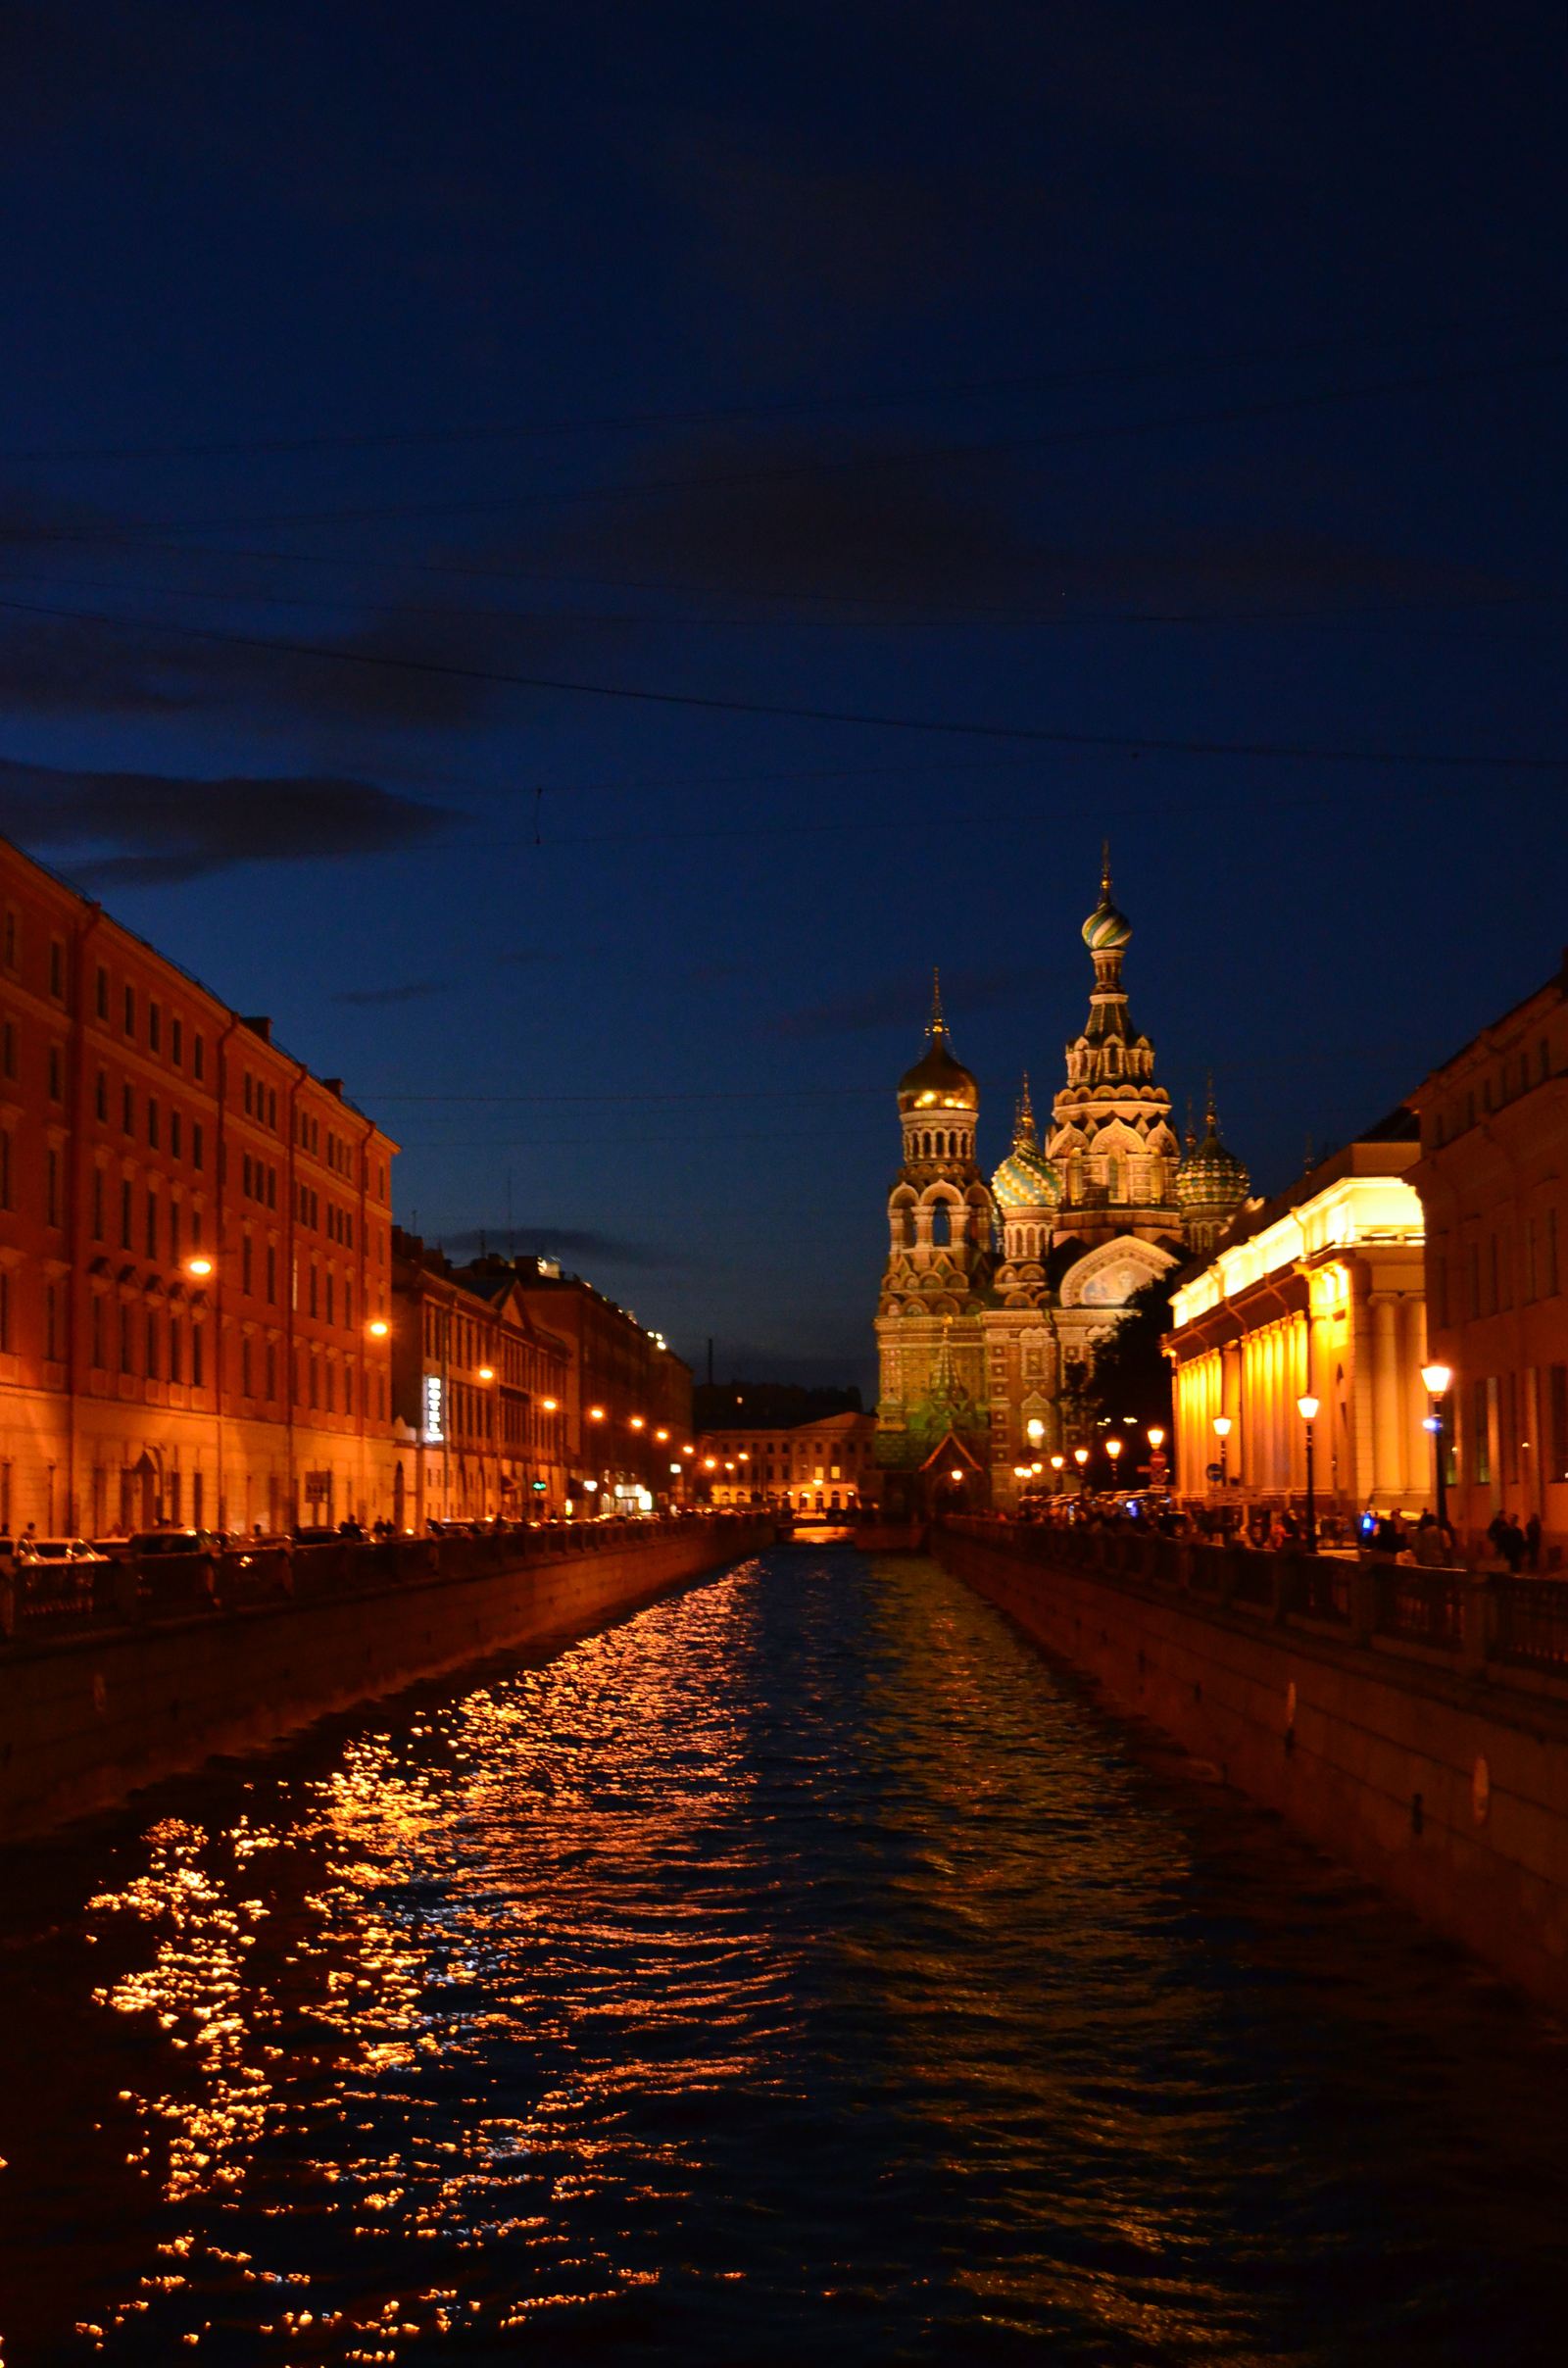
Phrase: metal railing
[40,1599]
[1531,1619]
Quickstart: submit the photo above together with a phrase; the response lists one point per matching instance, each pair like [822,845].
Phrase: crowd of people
[1424,1543]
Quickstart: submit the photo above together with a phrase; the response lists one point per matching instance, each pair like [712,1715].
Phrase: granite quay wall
[179,1658]
[1414,1723]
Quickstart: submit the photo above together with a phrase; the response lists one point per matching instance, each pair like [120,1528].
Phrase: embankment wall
[1437,1773]
[87,1717]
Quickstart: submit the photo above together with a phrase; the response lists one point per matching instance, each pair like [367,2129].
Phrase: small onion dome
[937,1082]
[1106,931]
[1026,1180]
[1210,1175]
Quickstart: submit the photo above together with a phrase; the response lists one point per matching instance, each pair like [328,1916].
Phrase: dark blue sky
[1140,375]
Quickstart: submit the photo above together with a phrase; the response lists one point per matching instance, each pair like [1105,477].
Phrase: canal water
[800,1970]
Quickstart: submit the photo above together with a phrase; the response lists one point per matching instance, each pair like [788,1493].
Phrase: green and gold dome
[1211,1176]
[937,1082]
[1026,1178]
[1106,931]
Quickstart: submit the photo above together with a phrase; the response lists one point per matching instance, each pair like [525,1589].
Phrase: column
[1387,1463]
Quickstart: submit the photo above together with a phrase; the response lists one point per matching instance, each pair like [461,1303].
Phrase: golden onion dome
[937,1082]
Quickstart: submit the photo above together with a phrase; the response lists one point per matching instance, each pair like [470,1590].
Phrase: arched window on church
[941,1225]
[909,1229]
[1114,1178]
[928,1146]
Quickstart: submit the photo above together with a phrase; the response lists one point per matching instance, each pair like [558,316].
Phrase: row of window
[1497,1409]
[1496,1265]
[1514,1076]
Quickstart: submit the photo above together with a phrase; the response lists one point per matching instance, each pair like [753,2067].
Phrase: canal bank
[1413,1724]
[93,1708]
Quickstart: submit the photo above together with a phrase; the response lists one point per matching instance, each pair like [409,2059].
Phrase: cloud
[412,993]
[144,829]
[558,1242]
[906,1001]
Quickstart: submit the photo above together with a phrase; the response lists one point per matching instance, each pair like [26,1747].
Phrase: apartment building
[195,1246]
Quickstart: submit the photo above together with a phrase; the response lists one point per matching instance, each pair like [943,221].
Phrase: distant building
[1493,1180]
[195,1246]
[628,1395]
[995,1299]
[1317,1293]
[825,1467]
[480,1392]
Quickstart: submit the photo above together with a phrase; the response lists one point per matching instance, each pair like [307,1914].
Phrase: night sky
[1170,396]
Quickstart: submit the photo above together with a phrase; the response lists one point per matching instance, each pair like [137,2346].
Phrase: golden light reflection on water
[796,1964]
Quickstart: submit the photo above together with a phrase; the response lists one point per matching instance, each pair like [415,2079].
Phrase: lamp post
[1157,1457]
[1435,1380]
[1223,1431]
[1113,1448]
[1080,1457]
[1307,1408]
[199,1266]
[1056,1463]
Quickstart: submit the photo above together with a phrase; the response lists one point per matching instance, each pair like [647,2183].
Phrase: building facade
[994,1298]
[195,1246]
[628,1396]
[1493,1180]
[826,1466]
[1319,1292]
[480,1392]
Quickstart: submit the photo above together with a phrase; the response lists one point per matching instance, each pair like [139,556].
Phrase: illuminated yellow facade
[1319,1293]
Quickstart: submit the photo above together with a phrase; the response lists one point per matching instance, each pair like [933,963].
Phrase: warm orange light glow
[1307,1408]
[487,1373]
[688,1451]
[595,1413]
[380,1329]
[956,1473]
[660,1434]
[1113,1448]
[548,1405]
[1437,1379]
[710,1464]
[1156,1436]
[636,1422]
[1056,1463]
[197,1265]
[1222,1426]
[1080,1455]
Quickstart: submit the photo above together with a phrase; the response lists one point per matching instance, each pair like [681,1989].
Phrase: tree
[1131,1374]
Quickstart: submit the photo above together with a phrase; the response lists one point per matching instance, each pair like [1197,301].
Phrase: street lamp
[1056,1463]
[1080,1457]
[1437,1379]
[1113,1448]
[1223,1431]
[1307,1408]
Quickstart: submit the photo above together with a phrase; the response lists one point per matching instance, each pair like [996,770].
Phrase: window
[173,1233]
[245,1368]
[247,1093]
[1557,1425]
[97,1203]
[101,1098]
[1475,1279]
[101,993]
[1480,1436]
[10,1048]
[329,1281]
[52,1186]
[271,1108]
[1510,1428]
[98,1331]
[130,1010]
[314,1282]
[196,1143]
[245,1265]
[152,1123]
[6,1201]
[125,1215]
[173,1134]
[51,1319]
[176,1363]
[152,1346]
[348,1307]
[272,1371]
[125,1365]
[331,1389]
[56,1091]
[155,1024]
[198,1057]
[152,1224]
[196,1339]
[272,1188]
[175,1041]
[1530,1260]
[10,939]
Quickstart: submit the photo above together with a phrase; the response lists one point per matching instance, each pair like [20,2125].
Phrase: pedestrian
[1497,1533]
[1533,1545]
[1513,1545]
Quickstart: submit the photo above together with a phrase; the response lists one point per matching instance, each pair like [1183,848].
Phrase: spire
[937,1027]
[1209,1109]
[1192,1134]
[1023,1123]
[1104,875]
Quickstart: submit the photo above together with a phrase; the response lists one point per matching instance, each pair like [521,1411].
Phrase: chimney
[334,1085]
[259,1027]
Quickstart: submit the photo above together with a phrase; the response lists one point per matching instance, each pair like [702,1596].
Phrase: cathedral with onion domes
[996,1297]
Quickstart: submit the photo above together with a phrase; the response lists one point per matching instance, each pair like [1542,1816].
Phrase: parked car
[174,1542]
[58,1550]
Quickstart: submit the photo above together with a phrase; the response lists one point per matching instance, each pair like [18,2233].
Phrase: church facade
[996,1296]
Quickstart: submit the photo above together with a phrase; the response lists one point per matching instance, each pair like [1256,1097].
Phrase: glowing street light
[1223,1431]
[1307,1408]
[1437,1379]
[637,1422]
[595,1413]
[487,1372]
[1113,1448]
[379,1328]
[199,1266]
